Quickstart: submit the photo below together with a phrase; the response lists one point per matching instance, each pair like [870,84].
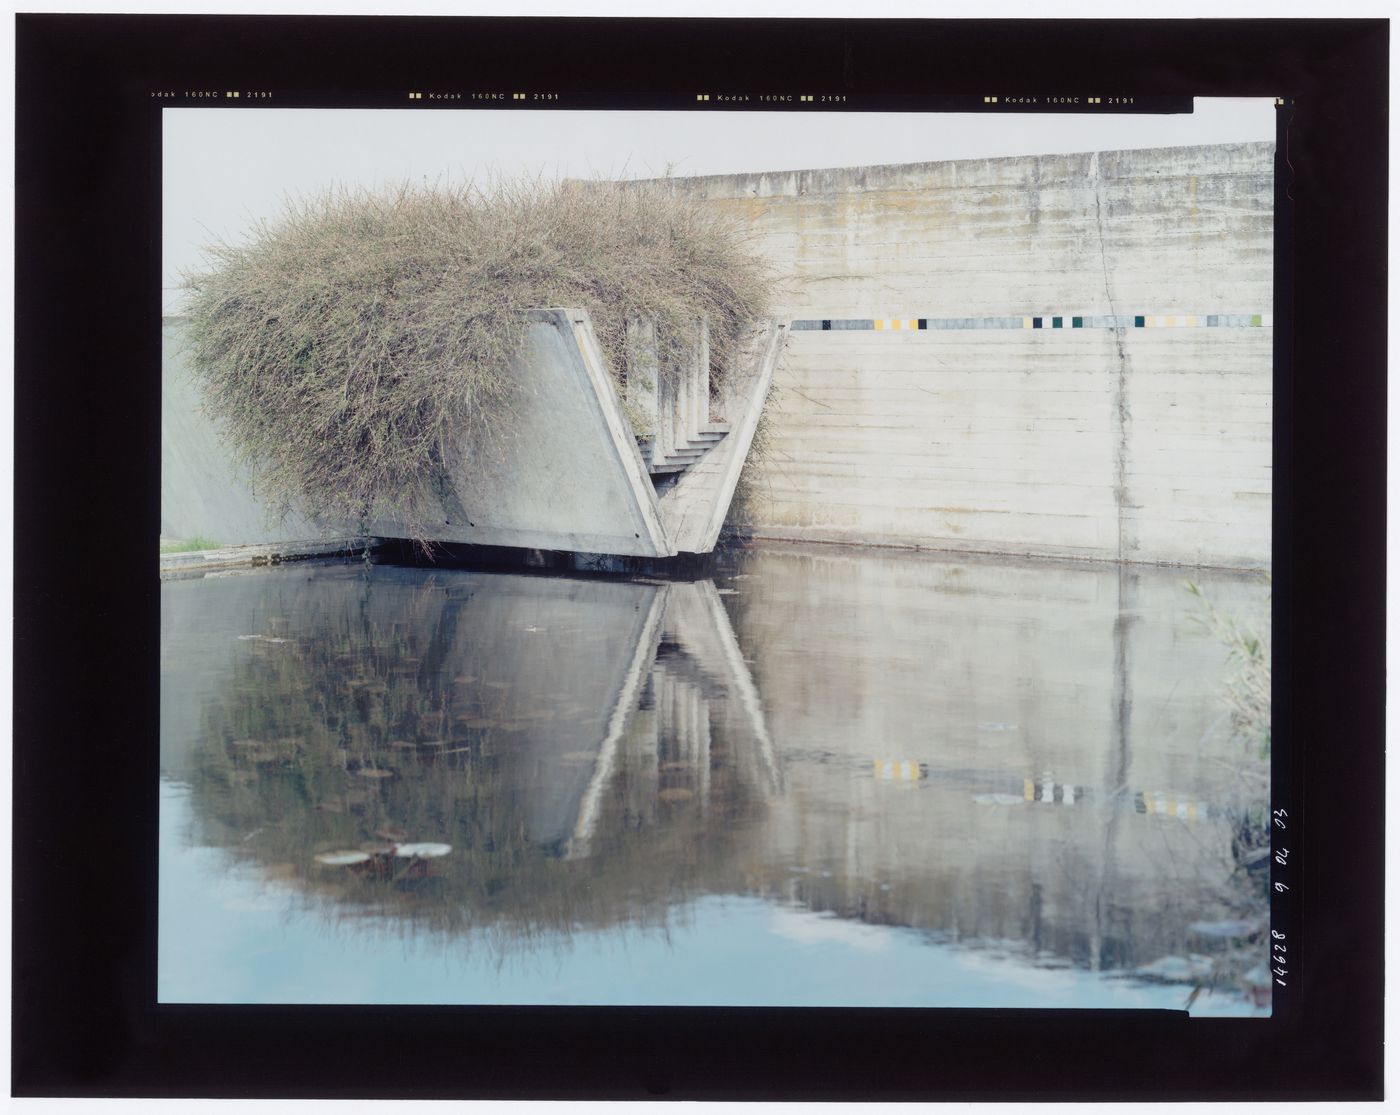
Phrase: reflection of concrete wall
[1151,444]
[529,668]
[998,679]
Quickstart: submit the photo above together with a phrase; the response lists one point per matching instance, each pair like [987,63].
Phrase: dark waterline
[822,776]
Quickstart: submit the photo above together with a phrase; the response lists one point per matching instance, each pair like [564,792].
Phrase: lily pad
[422,851]
[342,858]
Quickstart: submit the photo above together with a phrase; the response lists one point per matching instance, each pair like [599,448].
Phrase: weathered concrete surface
[1139,444]
[203,491]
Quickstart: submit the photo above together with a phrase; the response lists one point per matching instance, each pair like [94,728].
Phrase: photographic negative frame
[88,143]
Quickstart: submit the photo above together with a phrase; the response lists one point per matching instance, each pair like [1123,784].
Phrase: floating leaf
[422,851]
[341,859]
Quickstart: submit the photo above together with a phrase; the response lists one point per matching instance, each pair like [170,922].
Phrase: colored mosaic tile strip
[1044,321]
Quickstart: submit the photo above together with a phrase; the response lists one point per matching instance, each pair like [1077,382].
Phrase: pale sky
[224,169]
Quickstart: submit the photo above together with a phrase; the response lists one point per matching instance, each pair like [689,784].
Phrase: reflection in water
[1028,763]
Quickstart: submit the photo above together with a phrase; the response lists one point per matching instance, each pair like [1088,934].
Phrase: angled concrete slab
[560,468]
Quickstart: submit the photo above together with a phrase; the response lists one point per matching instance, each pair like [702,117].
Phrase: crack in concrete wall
[1122,415]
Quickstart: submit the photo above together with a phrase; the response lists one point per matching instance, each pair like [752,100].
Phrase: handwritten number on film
[1279,956]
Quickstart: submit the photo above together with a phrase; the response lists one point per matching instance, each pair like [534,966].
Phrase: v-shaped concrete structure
[561,468]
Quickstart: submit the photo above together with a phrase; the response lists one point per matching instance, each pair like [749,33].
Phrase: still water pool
[822,777]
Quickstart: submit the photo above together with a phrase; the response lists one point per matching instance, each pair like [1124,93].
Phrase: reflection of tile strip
[1155,801]
[1158,802]
[897,770]
[1043,321]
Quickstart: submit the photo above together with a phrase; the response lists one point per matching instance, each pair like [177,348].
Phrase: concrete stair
[683,454]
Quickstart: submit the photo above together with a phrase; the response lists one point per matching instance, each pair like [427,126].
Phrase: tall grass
[353,346]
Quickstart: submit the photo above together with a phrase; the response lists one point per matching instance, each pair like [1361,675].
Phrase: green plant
[189,545]
[349,346]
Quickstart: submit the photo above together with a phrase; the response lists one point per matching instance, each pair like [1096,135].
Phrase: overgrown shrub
[350,346]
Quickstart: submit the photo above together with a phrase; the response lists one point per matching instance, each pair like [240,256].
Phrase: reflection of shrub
[1241,964]
[348,345]
[1248,685]
[360,731]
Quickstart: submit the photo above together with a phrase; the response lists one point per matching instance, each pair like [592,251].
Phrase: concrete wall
[1148,443]
[204,493]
